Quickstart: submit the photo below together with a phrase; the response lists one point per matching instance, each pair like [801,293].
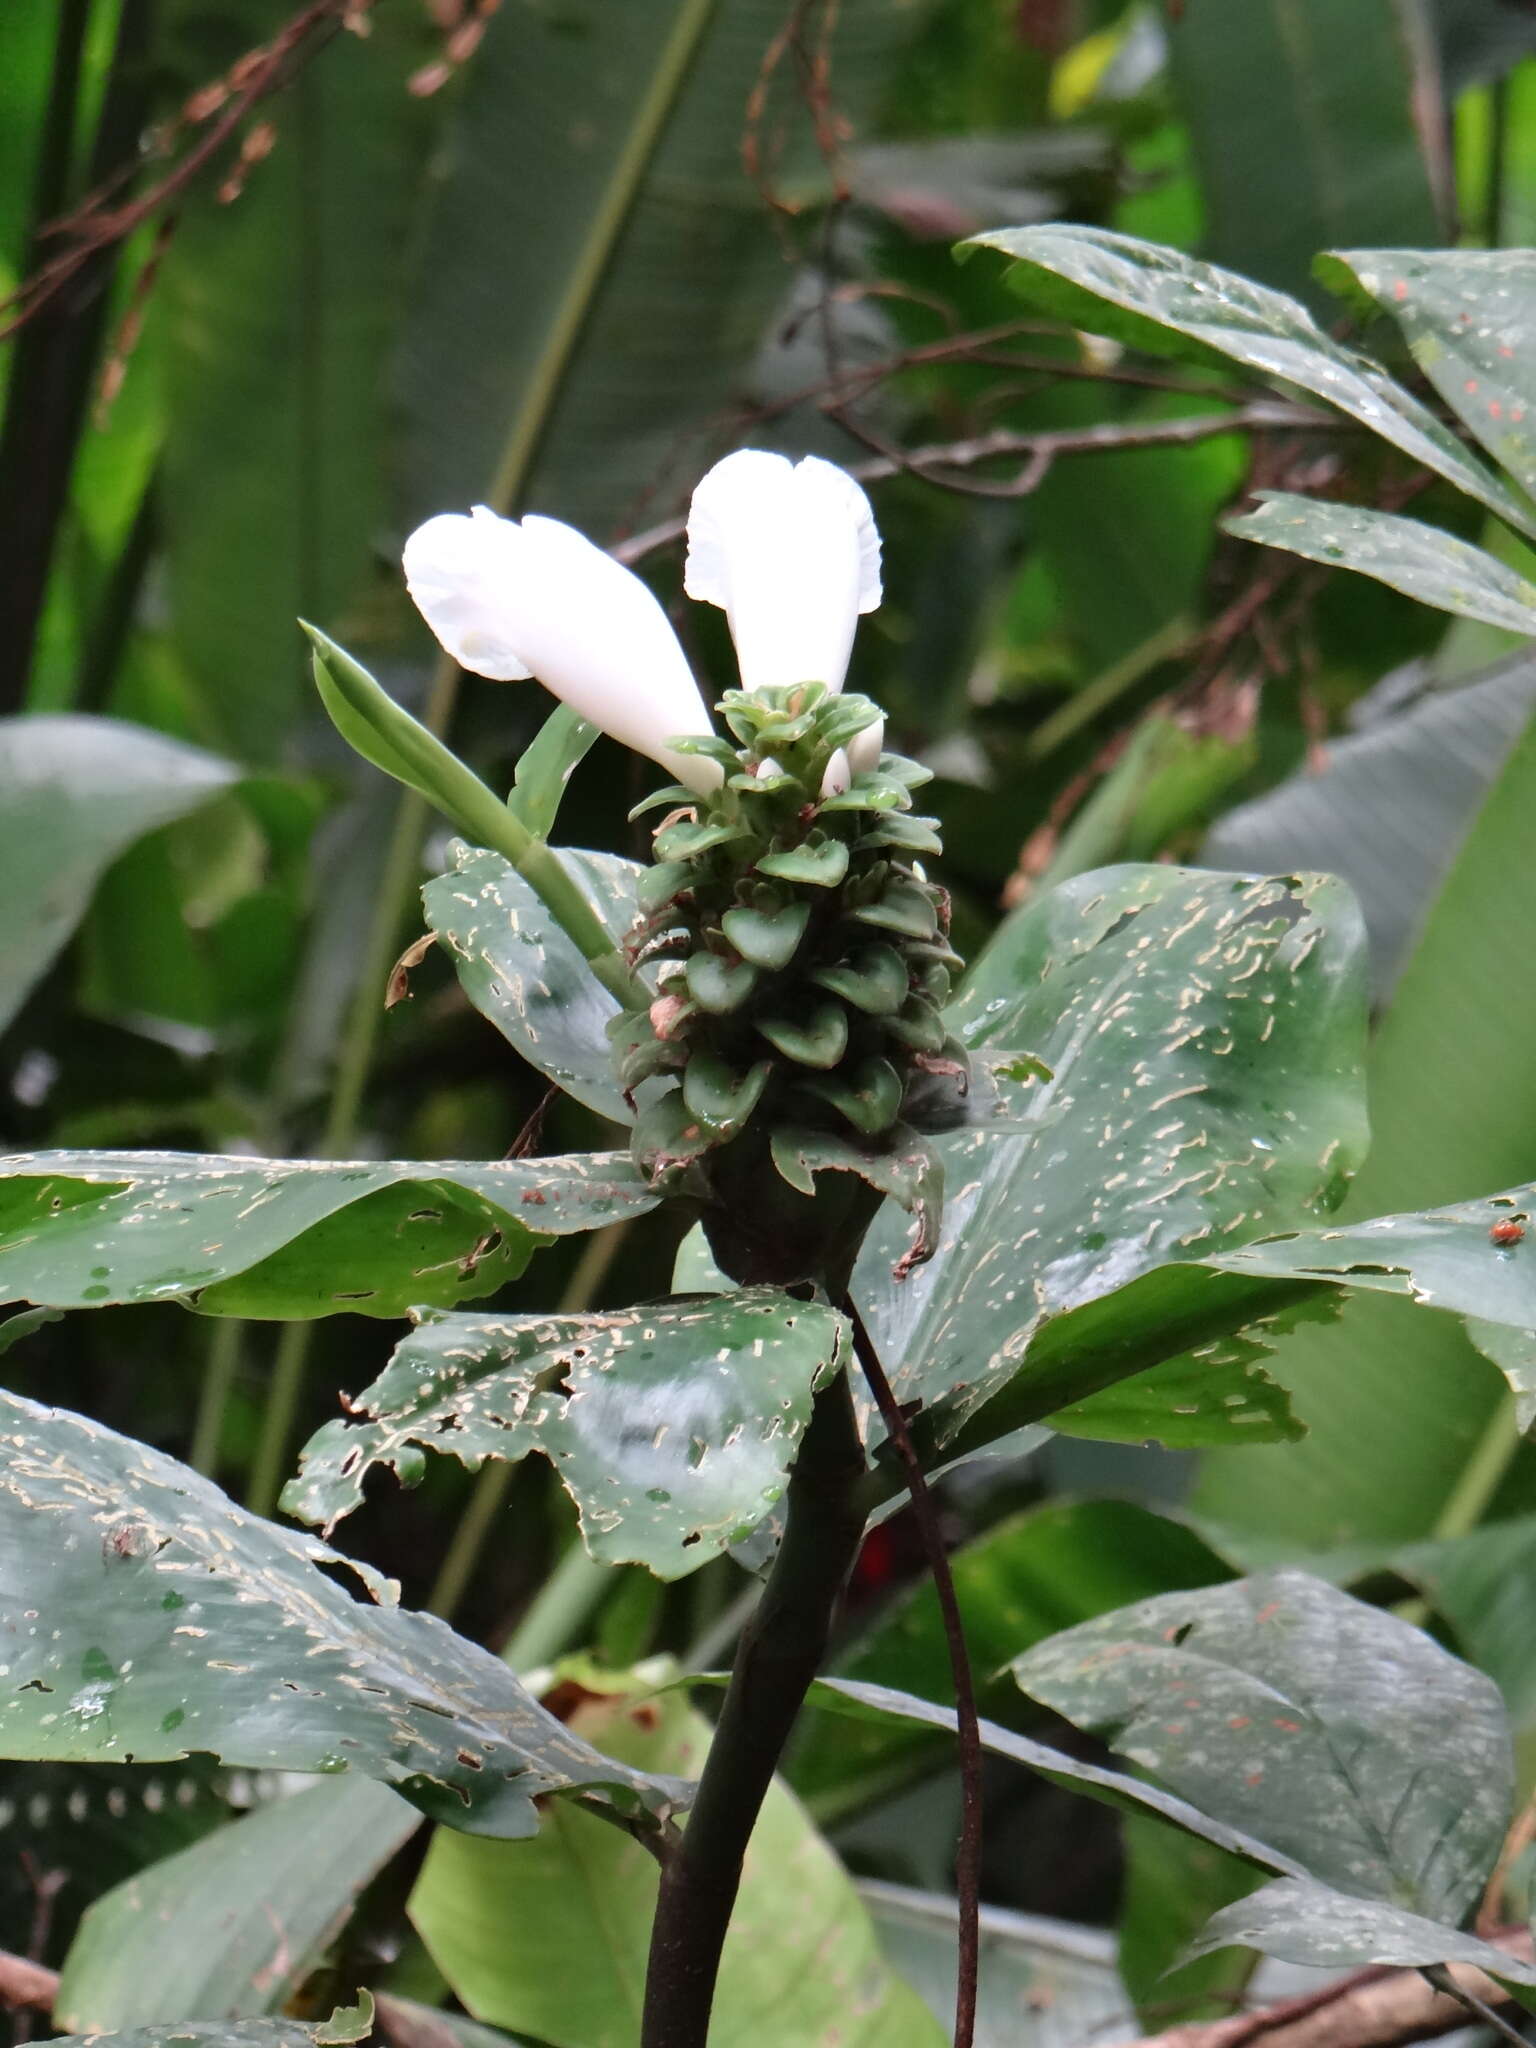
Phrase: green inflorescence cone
[804,965]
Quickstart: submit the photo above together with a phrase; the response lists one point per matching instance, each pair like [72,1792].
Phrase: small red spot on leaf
[1254,1778]
[1268,1613]
[1470,387]
[1290,1727]
[1239,1721]
[534,1196]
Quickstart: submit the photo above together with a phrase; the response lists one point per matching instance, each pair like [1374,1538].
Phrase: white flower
[511,600]
[791,554]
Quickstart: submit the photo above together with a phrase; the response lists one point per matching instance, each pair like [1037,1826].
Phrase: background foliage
[561,256]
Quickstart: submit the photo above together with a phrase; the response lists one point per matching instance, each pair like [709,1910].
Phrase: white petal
[791,553]
[510,600]
[865,748]
[838,775]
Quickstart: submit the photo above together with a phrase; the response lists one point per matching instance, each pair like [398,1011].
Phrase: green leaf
[384,732]
[221,1929]
[673,1426]
[1032,1574]
[78,791]
[1430,764]
[1303,1922]
[1301,119]
[290,1237]
[181,1623]
[550,1937]
[912,1174]
[1397,1401]
[1205,1036]
[1422,561]
[546,765]
[1169,304]
[861,1701]
[1467,314]
[279,315]
[522,970]
[1338,1734]
[1041,1984]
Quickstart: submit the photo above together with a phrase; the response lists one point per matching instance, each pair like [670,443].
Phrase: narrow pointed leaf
[1300,1921]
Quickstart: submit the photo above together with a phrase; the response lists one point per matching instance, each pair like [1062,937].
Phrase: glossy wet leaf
[221,1929]
[1041,1983]
[1467,315]
[290,1237]
[1336,1733]
[1160,300]
[549,1937]
[78,791]
[1204,1035]
[1304,1922]
[143,1614]
[521,970]
[1422,561]
[673,1426]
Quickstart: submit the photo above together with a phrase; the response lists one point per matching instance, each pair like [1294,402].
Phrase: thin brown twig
[967,1723]
[94,225]
[25,1983]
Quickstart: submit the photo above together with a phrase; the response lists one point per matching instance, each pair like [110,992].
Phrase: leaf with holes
[1422,561]
[1167,303]
[673,1426]
[218,2034]
[178,1622]
[1467,314]
[521,970]
[221,1929]
[290,1238]
[1204,1035]
[1338,1734]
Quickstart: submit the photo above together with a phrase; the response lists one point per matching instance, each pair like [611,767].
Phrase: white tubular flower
[791,554]
[511,600]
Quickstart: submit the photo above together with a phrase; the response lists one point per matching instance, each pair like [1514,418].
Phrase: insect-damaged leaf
[290,1238]
[144,1616]
[521,970]
[220,2034]
[1343,1737]
[672,1426]
[1204,1035]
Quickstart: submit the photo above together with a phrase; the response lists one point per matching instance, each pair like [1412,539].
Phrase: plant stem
[967,1726]
[780,1652]
[284,1391]
[221,1361]
[1478,1480]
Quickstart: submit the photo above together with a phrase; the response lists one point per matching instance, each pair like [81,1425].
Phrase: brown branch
[1265,416]
[1377,2007]
[23,1983]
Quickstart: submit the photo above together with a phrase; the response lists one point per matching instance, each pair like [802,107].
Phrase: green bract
[804,967]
